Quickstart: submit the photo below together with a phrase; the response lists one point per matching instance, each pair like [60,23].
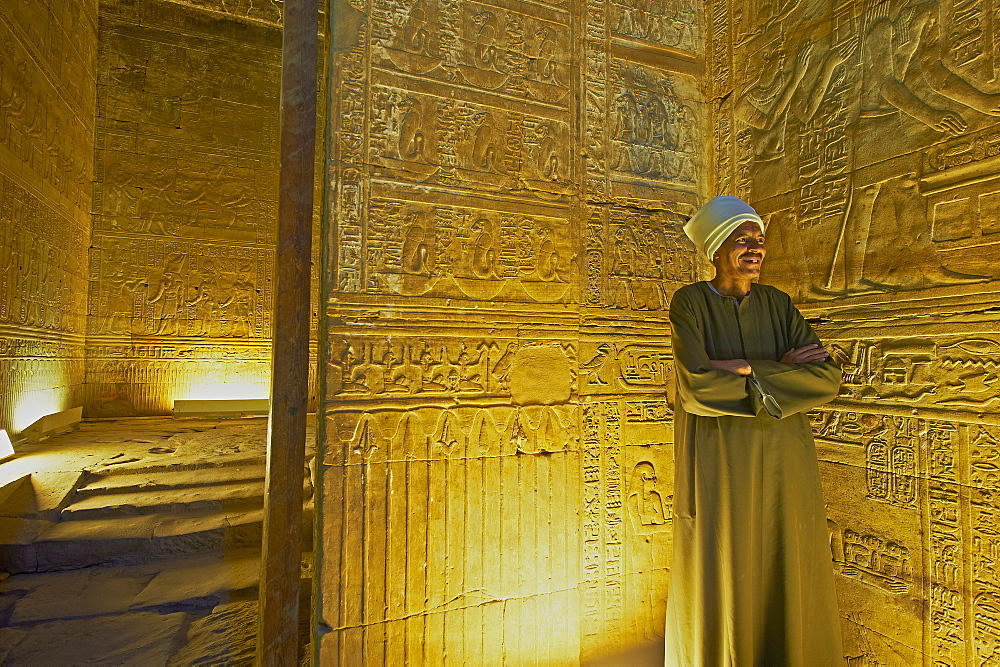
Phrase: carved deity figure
[645,504]
[205,304]
[906,45]
[117,313]
[417,259]
[411,135]
[167,297]
[487,55]
[484,255]
[239,305]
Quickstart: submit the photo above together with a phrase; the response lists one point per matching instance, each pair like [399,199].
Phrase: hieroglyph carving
[484,46]
[42,263]
[435,140]
[635,259]
[826,90]
[873,560]
[361,367]
[601,586]
[958,507]
[654,131]
[670,23]
[419,249]
[615,368]
[950,372]
[178,289]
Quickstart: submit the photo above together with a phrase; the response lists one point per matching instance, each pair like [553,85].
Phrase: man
[752,579]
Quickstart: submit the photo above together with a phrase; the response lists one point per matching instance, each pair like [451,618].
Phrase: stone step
[239,495]
[218,592]
[132,540]
[160,480]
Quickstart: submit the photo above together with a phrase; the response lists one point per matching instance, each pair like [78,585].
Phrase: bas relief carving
[47,101]
[418,249]
[635,259]
[504,182]
[184,202]
[423,139]
[168,288]
[476,44]
[843,89]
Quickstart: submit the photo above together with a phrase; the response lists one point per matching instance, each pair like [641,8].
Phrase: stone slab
[202,578]
[78,593]
[134,639]
[165,479]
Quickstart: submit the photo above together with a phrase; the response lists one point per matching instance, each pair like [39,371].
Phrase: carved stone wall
[184,204]
[507,185]
[47,77]
[867,134]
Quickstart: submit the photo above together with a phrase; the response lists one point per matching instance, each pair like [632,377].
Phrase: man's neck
[729,286]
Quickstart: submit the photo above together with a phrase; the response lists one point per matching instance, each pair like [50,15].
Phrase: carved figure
[483,251]
[416,246]
[906,45]
[645,504]
[411,136]
[484,151]
[487,54]
[167,296]
[239,306]
[206,308]
[547,260]
[121,288]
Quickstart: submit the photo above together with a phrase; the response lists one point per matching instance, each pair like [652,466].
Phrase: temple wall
[507,185]
[47,77]
[867,135]
[185,204]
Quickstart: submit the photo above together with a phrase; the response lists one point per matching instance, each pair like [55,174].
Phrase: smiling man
[752,579]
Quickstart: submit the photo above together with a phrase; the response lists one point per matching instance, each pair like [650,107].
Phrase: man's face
[741,255]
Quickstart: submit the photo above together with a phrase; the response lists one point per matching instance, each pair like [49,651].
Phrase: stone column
[277,640]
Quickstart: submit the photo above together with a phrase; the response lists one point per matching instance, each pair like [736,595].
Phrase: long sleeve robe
[751,582]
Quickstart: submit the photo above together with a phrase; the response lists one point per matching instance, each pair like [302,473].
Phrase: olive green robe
[751,581]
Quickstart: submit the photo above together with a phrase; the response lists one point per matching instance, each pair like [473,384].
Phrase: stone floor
[136,541]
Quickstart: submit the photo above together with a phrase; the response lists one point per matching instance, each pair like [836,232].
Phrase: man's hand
[737,366]
[805,355]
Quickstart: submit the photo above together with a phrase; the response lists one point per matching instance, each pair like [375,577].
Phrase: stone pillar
[277,641]
[507,187]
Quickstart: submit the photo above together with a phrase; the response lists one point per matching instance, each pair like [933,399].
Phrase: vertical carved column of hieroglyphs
[720,82]
[450,436]
[46,164]
[644,124]
[184,213]
[914,427]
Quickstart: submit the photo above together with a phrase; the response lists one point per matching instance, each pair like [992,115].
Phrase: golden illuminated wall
[47,76]
[507,181]
[184,204]
[867,134]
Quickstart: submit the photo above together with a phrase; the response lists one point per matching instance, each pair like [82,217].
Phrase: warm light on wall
[33,405]
[249,407]
[6,448]
[225,384]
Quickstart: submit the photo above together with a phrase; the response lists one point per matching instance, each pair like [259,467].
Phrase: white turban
[716,220]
